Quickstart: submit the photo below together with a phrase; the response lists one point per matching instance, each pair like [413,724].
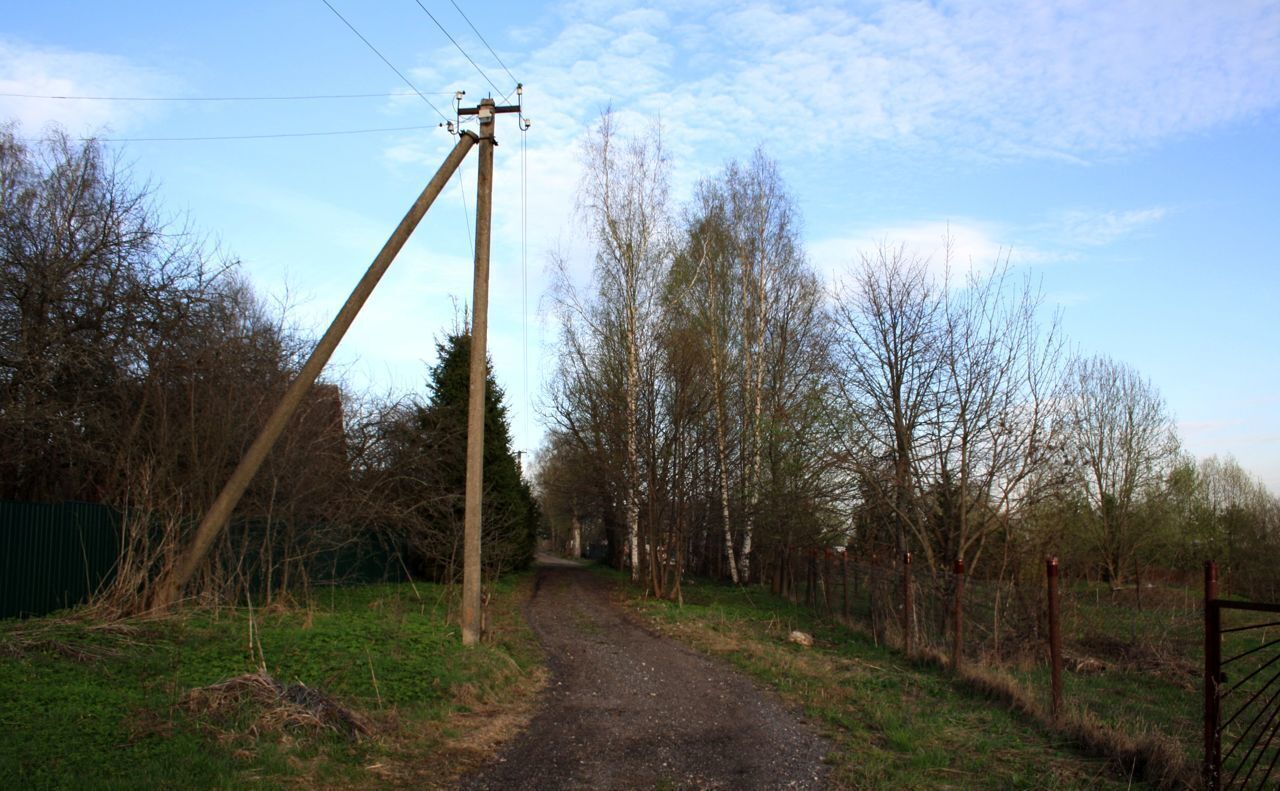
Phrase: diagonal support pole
[169,587]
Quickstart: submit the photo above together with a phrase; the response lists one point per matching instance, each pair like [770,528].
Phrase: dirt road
[626,709]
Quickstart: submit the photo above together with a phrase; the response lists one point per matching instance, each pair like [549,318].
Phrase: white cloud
[1006,79]
[1097,228]
[36,71]
[972,245]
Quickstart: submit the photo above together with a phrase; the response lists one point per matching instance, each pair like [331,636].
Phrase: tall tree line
[137,364]
[717,408]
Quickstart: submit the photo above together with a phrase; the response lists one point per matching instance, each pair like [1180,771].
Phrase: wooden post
[957,617]
[471,625]
[1055,638]
[826,578]
[812,575]
[908,604]
[169,587]
[1212,767]
[1137,583]
[844,573]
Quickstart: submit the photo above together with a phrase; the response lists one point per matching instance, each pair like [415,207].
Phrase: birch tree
[623,200]
[705,290]
[765,243]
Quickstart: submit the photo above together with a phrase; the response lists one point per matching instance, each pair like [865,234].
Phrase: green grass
[894,723]
[102,707]
[1154,657]
[1151,688]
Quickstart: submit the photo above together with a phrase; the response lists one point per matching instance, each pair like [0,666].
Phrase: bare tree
[888,324]
[743,264]
[765,244]
[623,199]
[1122,442]
[989,435]
[705,291]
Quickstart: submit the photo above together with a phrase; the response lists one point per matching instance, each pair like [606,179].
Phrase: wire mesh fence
[1131,657]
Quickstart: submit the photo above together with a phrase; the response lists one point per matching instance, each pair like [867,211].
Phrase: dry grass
[1147,755]
[76,638]
[831,679]
[1154,658]
[276,708]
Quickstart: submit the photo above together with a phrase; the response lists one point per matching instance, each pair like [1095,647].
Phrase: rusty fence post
[1055,638]
[844,573]
[957,617]
[1212,768]
[908,605]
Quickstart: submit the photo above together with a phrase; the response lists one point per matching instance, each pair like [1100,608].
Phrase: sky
[1126,155]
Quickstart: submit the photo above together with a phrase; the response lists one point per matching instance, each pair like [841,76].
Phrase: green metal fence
[54,555]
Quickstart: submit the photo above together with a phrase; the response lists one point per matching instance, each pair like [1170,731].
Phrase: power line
[218,98]
[459,46]
[257,136]
[486,44]
[466,214]
[384,60]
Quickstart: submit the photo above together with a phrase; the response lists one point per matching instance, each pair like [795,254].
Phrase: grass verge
[893,723]
[111,705]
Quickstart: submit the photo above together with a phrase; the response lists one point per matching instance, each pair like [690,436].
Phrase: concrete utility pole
[471,522]
[169,587]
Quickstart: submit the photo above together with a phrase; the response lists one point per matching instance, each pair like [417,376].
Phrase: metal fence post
[1212,767]
[957,616]
[1055,638]
[908,608]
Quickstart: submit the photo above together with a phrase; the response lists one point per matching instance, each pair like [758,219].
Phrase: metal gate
[1241,691]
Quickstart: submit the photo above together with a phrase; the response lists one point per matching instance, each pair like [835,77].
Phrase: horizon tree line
[137,363]
[716,408]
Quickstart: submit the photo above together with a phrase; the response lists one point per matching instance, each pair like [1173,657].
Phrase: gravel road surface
[626,709]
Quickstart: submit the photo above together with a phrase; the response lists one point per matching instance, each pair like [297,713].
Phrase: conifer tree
[509,512]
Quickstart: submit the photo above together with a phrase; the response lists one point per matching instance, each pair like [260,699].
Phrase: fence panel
[1128,654]
[1242,691]
[54,555]
[57,555]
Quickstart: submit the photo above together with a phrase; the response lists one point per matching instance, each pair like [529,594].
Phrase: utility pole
[471,603]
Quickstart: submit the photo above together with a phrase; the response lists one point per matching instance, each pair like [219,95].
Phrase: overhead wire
[486,44]
[405,79]
[459,46]
[466,213]
[218,98]
[265,136]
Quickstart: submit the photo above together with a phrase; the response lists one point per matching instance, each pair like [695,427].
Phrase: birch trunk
[721,443]
[753,479]
[633,455]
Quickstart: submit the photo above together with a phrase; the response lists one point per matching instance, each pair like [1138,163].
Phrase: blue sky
[1124,152]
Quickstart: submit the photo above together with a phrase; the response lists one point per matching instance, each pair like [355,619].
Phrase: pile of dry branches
[295,707]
